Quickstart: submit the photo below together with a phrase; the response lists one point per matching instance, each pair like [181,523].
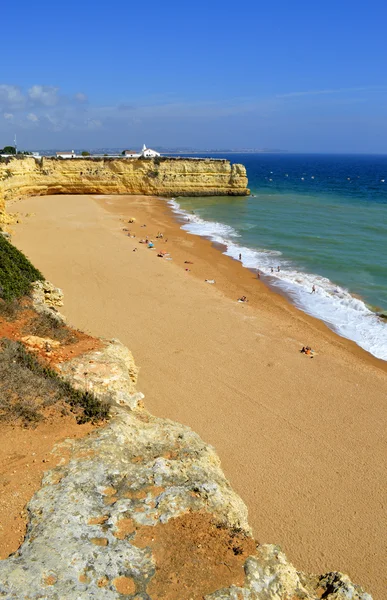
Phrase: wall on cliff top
[160,176]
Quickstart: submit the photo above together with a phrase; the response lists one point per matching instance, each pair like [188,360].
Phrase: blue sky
[301,76]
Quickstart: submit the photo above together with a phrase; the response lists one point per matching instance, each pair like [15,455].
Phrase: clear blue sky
[301,76]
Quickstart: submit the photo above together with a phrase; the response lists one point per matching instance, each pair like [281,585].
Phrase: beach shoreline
[302,441]
[165,211]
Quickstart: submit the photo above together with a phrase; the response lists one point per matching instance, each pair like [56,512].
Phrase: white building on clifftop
[145,153]
[71,154]
[148,152]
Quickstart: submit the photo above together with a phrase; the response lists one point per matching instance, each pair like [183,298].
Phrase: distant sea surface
[322,219]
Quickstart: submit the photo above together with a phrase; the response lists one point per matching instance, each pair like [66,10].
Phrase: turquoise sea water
[323,220]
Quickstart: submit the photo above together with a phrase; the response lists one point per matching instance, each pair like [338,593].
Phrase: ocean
[320,219]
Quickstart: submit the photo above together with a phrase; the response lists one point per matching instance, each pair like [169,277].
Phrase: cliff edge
[160,176]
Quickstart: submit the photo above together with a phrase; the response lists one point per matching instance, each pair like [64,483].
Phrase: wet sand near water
[302,440]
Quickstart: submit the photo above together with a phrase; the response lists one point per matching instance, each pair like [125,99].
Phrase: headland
[27,176]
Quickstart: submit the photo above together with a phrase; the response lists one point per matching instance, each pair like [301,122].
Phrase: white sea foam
[346,315]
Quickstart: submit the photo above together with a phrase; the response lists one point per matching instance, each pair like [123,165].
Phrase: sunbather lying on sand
[308,351]
[242,299]
[188,262]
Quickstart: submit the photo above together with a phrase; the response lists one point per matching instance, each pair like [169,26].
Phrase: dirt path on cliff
[302,441]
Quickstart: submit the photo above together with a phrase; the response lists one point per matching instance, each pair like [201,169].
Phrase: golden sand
[302,440]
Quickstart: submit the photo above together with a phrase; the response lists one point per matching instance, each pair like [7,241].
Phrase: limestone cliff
[159,176]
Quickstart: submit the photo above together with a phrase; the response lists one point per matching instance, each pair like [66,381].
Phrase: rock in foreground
[141,509]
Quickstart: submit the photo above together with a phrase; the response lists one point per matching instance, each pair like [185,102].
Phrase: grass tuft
[27,387]
[10,310]
[46,325]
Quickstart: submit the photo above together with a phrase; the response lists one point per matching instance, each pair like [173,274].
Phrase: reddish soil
[16,329]
[194,556]
[25,454]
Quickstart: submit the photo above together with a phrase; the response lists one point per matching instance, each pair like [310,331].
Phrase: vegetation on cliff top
[16,272]
[27,387]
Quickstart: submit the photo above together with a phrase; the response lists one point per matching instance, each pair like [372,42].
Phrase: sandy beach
[303,441]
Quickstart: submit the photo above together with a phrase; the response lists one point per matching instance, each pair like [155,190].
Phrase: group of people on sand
[148,242]
[163,254]
[307,350]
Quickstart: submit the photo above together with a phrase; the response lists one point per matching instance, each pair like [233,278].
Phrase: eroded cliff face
[162,177]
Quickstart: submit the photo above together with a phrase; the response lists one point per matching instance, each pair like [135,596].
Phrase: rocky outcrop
[109,373]
[142,509]
[160,176]
[46,298]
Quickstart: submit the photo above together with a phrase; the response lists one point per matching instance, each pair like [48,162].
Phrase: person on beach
[313,289]
[272,270]
[307,350]
[240,257]
[278,269]
[258,275]
[242,299]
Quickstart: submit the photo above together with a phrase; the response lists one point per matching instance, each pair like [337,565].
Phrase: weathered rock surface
[137,473]
[170,177]
[46,298]
[35,341]
[108,373]
[269,576]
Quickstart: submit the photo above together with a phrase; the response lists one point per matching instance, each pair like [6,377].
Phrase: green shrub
[16,272]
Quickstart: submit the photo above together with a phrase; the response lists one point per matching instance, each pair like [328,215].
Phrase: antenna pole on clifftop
[15,142]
